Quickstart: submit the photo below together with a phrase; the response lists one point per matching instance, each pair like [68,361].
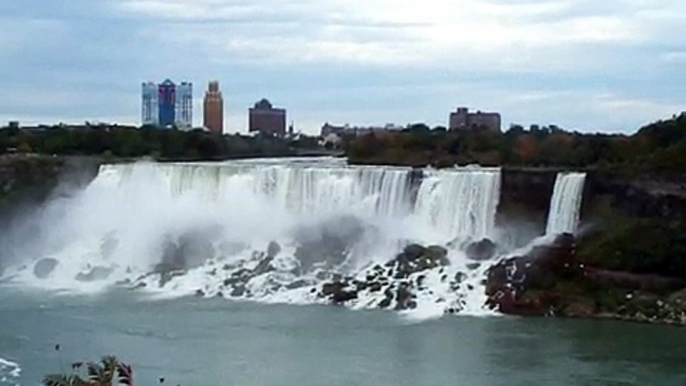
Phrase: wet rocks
[550,281]
[94,274]
[339,292]
[393,285]
[416,258]
[167,276]
[273,249]
[404,298]
[44,267]
[238,291]
[481,250]
[264,266]
[299,284]
[526,285]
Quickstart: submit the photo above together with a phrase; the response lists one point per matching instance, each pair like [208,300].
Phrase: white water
[565,205]
[226,214]
[9,373]
[463,203]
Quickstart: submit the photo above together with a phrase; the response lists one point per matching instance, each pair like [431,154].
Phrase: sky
[585,65]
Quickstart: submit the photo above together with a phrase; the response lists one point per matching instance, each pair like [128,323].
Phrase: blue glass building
[167,103]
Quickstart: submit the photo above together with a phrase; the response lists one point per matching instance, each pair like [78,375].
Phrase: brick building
[213,109]
[462,119]
[267,120]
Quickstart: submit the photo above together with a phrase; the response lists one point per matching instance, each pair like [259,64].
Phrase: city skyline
[574,63]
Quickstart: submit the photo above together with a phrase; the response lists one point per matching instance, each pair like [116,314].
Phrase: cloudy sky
[583,64]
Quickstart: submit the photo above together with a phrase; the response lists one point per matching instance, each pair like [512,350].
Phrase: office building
[213,109]
[167,103]
[462,119]
[184,106]
[150,105]
[267,120]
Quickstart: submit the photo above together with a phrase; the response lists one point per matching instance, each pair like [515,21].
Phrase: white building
[184,106]
[150,105]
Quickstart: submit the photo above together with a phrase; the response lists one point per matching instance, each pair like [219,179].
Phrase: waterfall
[463,203]
[565,203]
[221,217]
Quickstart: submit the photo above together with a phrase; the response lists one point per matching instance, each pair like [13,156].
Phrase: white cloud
[393,32]
[577,63]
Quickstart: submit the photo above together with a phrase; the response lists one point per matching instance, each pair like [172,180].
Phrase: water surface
[218,342]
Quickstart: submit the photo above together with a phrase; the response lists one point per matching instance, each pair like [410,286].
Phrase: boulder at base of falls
[236,283]
[44,267]
[273,249]
[416,258]
[404,298]
[339,292]
[551,281]
[388,285]
[481,250]
[94,274]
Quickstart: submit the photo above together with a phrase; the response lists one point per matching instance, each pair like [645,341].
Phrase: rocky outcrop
[526,193]
[44,267]
[524,200]
[481,250]
[643,195]
[397,280]
[416,258]
[94,274]
[551,281]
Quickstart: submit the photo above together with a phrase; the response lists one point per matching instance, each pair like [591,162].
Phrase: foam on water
[9,373]
[222,218]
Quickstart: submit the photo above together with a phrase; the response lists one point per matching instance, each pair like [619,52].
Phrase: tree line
[132,142]
[658,146]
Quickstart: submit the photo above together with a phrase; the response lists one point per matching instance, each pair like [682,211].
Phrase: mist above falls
[135,221]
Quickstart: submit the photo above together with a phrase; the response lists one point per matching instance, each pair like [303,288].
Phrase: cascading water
[462,202]
[565,205]
[275,230]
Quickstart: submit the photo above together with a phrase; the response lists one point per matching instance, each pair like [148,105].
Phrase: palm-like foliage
[63,380]
[108,372]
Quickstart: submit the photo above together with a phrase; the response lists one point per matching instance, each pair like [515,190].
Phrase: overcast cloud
[580,64]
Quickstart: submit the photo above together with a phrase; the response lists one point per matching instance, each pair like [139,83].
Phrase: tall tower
[213,109]
[150,105]
[184,105]
[167,103]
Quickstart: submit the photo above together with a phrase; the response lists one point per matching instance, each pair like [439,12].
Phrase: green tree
[108,372]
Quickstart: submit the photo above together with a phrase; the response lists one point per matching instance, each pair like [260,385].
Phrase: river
[211,342]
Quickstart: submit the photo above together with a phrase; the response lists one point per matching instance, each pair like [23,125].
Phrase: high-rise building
[150,104]
[184,105]
[462,119]
[267,120]
[213,109]
[167,103]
